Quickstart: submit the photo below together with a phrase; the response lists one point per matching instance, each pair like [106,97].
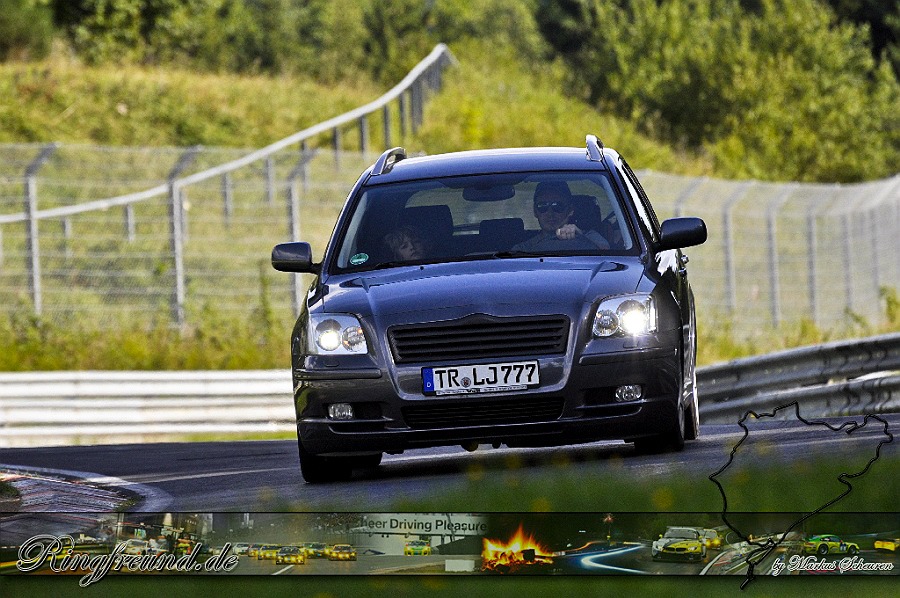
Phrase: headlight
[627,314]
[331,334]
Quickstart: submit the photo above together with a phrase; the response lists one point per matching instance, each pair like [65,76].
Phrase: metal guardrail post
[176,232]
[771,216]
[728,244]
[32,244]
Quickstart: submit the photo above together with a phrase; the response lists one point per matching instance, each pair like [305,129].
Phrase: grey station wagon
[526,297]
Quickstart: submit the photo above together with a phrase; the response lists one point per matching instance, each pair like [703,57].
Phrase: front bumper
[574,404]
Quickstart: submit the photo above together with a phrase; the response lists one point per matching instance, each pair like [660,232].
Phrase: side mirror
[293,257]
[677,233]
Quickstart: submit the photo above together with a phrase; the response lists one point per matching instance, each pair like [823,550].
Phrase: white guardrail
[58,408]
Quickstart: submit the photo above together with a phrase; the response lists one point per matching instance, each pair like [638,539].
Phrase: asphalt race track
[264,475]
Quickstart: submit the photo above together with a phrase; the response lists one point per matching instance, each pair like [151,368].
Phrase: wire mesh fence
[777,253]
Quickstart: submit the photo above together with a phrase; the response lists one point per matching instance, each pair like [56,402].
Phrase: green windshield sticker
[359,258]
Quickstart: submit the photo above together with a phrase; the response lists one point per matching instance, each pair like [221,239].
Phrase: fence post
[293,207]
[811,251]
[730,290]
[129,222]
[772,214]
[67,234]
[270,181]
[336,146]
[32,245]
[402,115]
[227,199]
[848,274]
[876,239]
[363,135]
[416,108]
[386,119]
[176,232]
[686,194]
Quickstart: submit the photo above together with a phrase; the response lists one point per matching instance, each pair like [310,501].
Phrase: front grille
[479,337]
[516,411]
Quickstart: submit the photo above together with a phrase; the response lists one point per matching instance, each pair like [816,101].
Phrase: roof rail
[384,163]
[594,148]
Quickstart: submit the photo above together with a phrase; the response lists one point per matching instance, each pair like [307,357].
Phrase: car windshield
[289,550]
[681,532]
[317,546]
[417,543]
[484,217]
[343,549]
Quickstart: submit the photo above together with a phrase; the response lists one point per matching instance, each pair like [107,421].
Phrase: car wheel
[853,550]
[368,461]
[318,470]
[670,441]
[692,425]
[822,550]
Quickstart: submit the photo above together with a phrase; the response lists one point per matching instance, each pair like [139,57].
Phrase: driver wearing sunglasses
[553,209]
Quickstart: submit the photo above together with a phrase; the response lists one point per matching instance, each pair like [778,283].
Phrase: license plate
[486,377]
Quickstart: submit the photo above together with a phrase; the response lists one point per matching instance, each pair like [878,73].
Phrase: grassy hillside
[59,99]
[485,103]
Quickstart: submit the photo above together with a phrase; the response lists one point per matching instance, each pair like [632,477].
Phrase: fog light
[340,411]
[629,392]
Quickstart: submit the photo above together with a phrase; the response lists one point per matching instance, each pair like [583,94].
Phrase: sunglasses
[560,207]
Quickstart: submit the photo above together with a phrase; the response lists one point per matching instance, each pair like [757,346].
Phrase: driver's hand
[567,232]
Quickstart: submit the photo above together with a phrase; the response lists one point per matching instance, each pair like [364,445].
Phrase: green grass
[618,488]
[59,99]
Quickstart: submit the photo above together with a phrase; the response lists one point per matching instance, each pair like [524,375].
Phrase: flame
[509,556]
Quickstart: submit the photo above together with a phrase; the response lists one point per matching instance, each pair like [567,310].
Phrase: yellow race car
[887,544]
[679,543]
[267,551]
[293,555]
[417,548]
[825,544]
[342,552]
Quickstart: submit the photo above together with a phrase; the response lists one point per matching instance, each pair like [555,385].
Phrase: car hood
[499,287]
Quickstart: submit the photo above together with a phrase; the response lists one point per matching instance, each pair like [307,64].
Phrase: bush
[26,29]
[781,91]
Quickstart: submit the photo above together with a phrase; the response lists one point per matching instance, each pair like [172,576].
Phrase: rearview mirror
[677,233]
[294,257]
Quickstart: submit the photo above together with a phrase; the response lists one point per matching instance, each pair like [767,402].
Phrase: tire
[368,461]
[692,424]
[322,470]
[853,550]
[822,550]
[673,440]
